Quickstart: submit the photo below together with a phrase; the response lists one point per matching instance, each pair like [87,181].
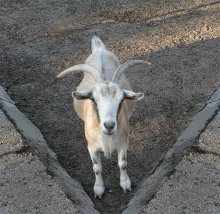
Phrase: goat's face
[108,98]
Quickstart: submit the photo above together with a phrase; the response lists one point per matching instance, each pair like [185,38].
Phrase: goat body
[104,100]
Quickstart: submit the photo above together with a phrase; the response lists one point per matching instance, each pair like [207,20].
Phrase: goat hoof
[98,196]
[98,191]
[125,185]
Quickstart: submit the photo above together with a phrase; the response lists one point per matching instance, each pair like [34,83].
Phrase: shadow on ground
[176,87]
[181,40]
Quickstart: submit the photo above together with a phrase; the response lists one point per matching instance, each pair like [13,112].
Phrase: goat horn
[81,67]
[121,68]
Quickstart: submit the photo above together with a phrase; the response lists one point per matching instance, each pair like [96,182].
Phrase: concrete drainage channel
[74,189]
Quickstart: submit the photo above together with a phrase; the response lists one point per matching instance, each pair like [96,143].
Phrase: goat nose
[109,125]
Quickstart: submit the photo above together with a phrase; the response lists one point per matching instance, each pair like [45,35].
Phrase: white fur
[125,182]
[97,168]
[106,95]
[107,105]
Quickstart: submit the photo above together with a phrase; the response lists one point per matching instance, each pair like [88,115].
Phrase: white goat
[104,100]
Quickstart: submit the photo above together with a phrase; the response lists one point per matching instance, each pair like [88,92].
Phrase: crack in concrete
[197,149]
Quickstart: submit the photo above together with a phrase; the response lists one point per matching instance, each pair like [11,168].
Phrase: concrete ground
[195,185]
[25,185]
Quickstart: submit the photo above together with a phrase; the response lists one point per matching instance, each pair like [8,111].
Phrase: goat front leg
[97,168]
[125,182]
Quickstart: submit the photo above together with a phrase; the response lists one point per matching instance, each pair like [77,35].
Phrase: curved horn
[81,67]
[121,68]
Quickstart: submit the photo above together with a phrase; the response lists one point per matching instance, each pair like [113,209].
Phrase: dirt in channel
[40,39]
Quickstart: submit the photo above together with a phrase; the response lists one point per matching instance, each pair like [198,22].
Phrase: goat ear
[81,95]
[130,95]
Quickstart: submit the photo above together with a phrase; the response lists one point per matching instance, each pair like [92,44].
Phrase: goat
[104,100]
